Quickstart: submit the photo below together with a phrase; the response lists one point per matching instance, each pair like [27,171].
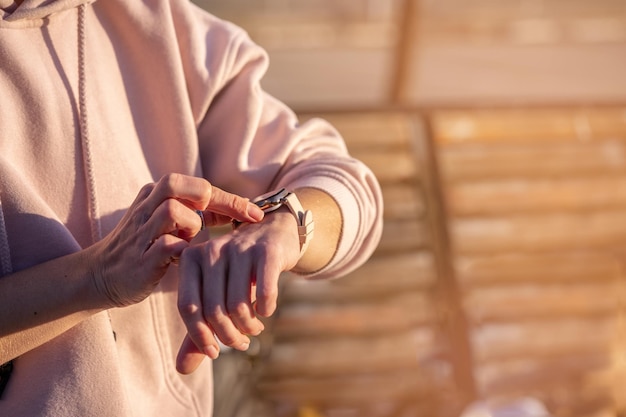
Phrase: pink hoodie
[162,87]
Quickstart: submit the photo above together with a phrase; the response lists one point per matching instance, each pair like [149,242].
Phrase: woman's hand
[41,302]
[129,262]
[227,281]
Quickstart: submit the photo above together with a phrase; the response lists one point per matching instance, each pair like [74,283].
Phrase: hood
[30,12]
[36,13]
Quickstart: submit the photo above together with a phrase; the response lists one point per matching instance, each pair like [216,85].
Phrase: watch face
[272,200]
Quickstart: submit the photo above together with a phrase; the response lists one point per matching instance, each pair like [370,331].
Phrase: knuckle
[264,249]
[267,293]
[239,203]
[233,201]
[171,247]
[192,254]
[170,209]
[139,218]
[169,182]
[213,313]
[211,252]
[267,289]
[207,190]
[240,245]
[146,190]
[238,310]
[188,254]
[187,310]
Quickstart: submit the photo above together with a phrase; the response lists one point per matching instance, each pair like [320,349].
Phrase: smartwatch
[275,200]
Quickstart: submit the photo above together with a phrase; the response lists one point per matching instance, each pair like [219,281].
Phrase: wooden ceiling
[355,54]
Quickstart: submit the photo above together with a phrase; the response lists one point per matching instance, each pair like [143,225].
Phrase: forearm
[42,302]
[328,225]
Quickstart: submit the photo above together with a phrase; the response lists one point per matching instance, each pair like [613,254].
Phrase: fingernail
[261,328]
[255,212]
[211,351]
[244,346]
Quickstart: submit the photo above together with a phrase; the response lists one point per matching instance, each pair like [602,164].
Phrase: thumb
[189,357]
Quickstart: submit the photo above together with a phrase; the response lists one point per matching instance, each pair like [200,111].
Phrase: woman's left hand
[228,281]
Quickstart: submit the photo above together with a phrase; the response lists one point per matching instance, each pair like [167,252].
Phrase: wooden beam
[404,51]
[453,319]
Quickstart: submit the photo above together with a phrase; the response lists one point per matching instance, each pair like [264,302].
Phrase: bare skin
[228,282]
[44,301]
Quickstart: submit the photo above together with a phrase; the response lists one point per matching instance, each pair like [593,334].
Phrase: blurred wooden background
[498,132]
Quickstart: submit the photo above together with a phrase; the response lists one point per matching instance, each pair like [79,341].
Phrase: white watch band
[304,219]
[273,200]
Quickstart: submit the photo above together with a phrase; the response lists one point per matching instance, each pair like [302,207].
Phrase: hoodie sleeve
[251,143]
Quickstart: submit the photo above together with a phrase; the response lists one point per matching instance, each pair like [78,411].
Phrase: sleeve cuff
[350,216]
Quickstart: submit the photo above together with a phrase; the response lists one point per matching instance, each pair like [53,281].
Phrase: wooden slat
[475,162]
[381,276]
[403,202]
[300,33]
[540,373]
[392,314]
[550,268]
[523,125]
[607,122]
[572,386]
[544,338]
[343,356]
[550,232]
[360,389]
[518,302]
[372,130]
[390,166]
[494,197]
[403,236]
[485,126]
[569,386]
[561,22]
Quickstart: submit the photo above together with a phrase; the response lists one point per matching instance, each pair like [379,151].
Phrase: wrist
[95,292]
[288,201]
[328,227]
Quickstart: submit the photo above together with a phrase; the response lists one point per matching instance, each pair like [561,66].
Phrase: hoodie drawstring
[96,229]
[92,201]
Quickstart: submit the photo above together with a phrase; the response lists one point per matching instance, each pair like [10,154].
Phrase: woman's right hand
[41,302]
[130,261]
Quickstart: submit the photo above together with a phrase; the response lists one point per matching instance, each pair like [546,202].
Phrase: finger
[193,191]
[190,306]
[173,217]
[214,219]
[136,216]
[199,194]
[233,206]
[215,312]
[268,274]
[189,356]
[238,298]
[162,251]
[145,191]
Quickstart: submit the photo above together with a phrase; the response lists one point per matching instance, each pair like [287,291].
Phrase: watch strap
[274,200]
[304,219]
